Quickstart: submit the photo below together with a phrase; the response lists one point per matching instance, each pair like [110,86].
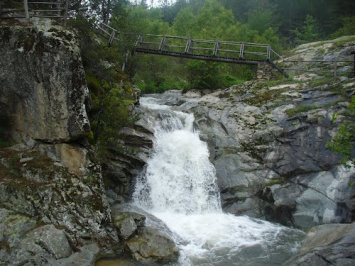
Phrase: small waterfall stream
[179,187]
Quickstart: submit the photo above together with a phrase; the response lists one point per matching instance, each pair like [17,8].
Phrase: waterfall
[179,187]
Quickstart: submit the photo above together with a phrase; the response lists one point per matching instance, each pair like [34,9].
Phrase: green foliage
[348,27]
[203,75]
[260,20]
[111,92]
[300,109]
[344,140]
[281,23]
[309,32]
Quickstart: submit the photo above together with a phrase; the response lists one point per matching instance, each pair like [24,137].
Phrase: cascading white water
[179,187]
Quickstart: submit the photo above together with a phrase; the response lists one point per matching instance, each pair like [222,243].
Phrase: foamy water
[179,187]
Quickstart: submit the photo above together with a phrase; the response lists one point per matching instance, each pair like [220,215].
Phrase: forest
[281,23]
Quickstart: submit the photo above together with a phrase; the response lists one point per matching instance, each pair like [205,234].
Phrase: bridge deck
[186,47]
[199,57]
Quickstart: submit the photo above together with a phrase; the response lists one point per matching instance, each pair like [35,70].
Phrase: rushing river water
[179,187]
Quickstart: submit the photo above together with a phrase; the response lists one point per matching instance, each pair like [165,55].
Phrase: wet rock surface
[147,238]
[330,244]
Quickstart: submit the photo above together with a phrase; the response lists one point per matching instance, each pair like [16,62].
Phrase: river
[179,187]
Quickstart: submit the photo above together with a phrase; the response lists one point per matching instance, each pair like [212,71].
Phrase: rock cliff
[43,84]
[53,204]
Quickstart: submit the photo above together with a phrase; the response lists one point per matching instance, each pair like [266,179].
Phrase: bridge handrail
[40,10]
[217,48]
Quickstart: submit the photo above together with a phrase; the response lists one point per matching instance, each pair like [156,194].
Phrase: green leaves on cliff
[344,140]
[111,93]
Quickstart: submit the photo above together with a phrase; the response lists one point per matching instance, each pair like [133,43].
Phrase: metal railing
[35,8]
[189,47]
[337,66]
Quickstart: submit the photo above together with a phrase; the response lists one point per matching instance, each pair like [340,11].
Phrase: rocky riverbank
[53,204]
[267,141]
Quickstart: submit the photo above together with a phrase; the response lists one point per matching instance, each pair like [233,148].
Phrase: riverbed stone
[86,256]
[329,244]
[127,223]
[151,245]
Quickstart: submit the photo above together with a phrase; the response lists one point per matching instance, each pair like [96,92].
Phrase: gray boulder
[331,244]
[43,87]
[151,245]
[147,238]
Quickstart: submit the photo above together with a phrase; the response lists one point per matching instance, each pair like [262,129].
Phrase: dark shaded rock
[153,246]
[123,165]
[279,214]
[331,244]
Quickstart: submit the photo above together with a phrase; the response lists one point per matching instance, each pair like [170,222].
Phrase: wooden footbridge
[187,47]
[54,9]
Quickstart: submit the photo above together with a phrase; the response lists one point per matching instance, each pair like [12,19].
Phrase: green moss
[275,181]
[300,109]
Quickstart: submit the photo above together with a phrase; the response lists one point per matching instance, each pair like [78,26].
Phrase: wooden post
[65,15]
[162,43]
[216,48]
[268,52]
[25,4]
[188,45]
[112,38]
[335,66]
[241,52]
[353,53]
[139,41]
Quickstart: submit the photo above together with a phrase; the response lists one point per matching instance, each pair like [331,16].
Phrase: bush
[344,140]
[111,93]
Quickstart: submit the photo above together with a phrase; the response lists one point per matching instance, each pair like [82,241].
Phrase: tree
[309,32]
[104,8]
[348,27]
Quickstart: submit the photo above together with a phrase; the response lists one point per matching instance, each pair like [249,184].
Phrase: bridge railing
[34,8]
[240,50]
[189,46]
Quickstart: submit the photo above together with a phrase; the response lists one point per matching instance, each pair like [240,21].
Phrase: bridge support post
[353,53]
[25,4]
[265,71]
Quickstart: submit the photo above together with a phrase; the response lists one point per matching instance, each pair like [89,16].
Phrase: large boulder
[147,238]
[323,197]
[42,81]
[49,212]
[153,246]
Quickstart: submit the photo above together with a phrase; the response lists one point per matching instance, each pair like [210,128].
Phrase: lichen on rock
[43,84]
